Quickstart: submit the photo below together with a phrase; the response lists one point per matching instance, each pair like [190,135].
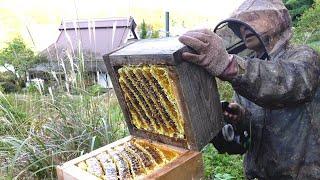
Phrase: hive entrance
[150,95]
[130,160]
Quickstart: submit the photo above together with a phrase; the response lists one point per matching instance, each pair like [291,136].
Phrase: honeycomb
[149,93]
[130,160]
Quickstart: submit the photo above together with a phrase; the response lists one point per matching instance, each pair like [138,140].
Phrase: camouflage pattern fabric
[281,97]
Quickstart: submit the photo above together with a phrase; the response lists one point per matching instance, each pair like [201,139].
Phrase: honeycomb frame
[149,93]
[133,159]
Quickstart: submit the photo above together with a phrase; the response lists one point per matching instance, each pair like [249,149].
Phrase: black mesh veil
[229,31]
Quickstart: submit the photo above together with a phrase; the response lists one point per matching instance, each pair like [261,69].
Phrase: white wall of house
[104,80]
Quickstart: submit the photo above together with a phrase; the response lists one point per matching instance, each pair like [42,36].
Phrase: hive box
[188,164]
[165,101]
[194,90]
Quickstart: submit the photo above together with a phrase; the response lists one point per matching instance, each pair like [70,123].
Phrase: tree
[20,56]
[297,8]
[147,31]
[143,29]
[307,30]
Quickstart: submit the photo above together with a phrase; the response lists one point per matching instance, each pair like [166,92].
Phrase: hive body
[164,98]
[133,158]
[172,110]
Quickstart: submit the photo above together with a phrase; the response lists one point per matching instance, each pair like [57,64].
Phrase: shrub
[37,133]
[96,89]
[307,30]
[147,31]
[9,87]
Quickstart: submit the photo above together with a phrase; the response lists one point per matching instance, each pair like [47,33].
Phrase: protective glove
[211,52]
[233,112]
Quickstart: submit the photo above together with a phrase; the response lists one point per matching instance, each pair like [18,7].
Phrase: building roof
[90,40]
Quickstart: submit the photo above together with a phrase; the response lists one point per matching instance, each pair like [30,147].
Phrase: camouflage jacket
[282,100]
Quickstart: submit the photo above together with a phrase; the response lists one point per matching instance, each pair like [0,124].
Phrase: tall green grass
[43,127]
[37,132]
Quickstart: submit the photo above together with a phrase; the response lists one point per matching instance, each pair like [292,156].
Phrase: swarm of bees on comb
[130,160]
[150,96]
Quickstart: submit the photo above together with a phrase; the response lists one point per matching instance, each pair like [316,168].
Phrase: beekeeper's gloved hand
[211,53]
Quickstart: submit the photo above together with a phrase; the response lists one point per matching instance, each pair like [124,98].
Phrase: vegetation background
[41,127]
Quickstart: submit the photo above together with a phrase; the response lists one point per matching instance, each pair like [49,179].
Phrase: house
[84,43]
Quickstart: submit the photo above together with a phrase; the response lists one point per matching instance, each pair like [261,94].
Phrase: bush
[96,89]
[8,87]
[32,88]
[297,7]
[147,31]
[7,77]
[307,30]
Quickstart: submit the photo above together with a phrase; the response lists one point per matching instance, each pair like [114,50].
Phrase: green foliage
[307,30]
[2,90]
[222,166]
[37,133]
[20,56]
[143,30]
[225,90]
[32,88]
[96,89]
[297,8]
[7,82]
[147,31]
[8,87]
[7,77]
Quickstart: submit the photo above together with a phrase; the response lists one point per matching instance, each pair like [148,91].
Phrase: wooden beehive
[154,85]
[168,103]
[178,163]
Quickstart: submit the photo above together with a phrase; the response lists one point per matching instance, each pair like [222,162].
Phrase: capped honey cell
[149,93]
[130,160]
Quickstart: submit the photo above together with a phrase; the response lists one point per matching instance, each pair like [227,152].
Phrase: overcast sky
[42,17]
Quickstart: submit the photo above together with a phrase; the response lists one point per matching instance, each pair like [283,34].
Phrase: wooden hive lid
[196,96]
[150,51]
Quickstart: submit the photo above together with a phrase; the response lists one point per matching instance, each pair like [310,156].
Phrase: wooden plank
[188,160]
[75,173]
[188,166]
[191,141]
[147,51]
[202,102]
[96,152]
[160,138]
[164,146]
[116,86]
[163,59]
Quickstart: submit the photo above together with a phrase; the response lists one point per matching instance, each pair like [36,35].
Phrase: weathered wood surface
[148,51]
[116,86]
[202,103]
[187,167]
[198,97]
[188,160]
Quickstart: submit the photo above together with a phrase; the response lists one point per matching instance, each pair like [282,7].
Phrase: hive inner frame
[123,159]
[151,96]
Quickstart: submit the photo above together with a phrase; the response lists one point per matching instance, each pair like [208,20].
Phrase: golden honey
[130,160]
[149,95]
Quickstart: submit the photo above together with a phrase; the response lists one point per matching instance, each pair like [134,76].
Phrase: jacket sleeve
[280,82]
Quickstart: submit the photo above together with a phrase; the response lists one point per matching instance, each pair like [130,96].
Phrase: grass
[38,132]
[221,166]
